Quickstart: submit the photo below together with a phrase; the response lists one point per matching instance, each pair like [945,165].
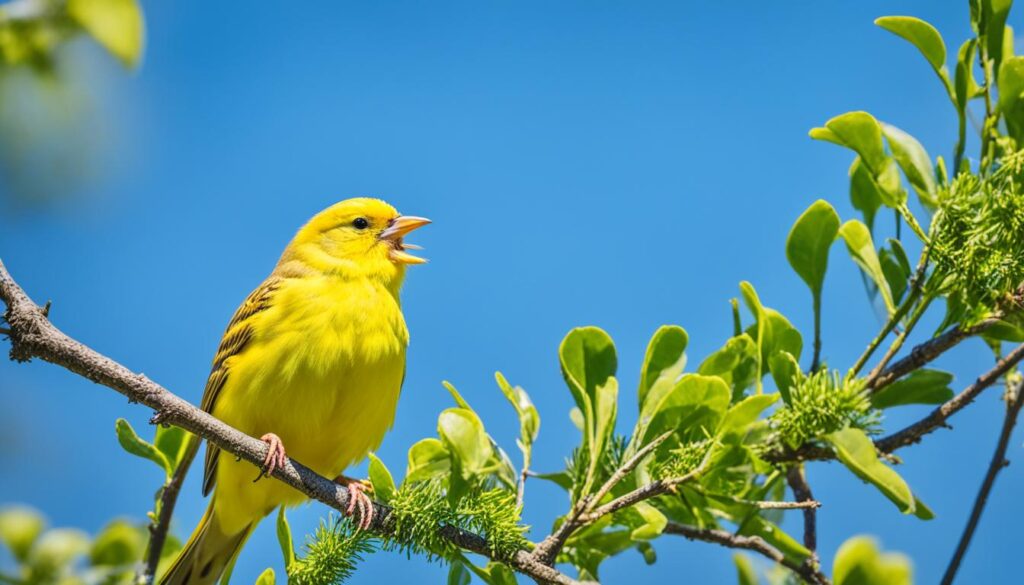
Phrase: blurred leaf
[665,357]
[131,443]
[559,478]
[427,458]
[284,538]
[858,562]
[20,526]
[760,327]
[120,543]
[923,36]
[964,86]
[919,387]
[58,548]
[381,480]
[266,577]
[1011,90]
[458,574]
[856,451]
[992,24]
[912,158]
[862,250]
[115,24]
[745,573]
[786,372]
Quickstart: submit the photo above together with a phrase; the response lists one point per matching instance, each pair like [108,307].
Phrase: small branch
[1015,400]
[897,345]
[802,491]
[928,351]
[547,550]
[32,335]
[644,492]
[752,543]
[168,499]
[761,504]
[937,418]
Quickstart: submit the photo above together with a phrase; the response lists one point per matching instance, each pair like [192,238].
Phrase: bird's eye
[360,223]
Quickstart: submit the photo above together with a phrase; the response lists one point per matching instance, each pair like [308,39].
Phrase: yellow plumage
[316,356]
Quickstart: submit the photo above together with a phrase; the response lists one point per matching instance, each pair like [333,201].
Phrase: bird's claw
[275,458]
[357,497]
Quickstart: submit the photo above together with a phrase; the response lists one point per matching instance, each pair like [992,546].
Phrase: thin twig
[1015,400]
[897,345]
[547,550]
[761,504]
[32,335]
[802,491]
[937,418]
[644,492]
[168,499]
[752,543]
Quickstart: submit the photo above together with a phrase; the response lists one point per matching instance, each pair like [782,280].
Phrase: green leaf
[1011,90]
[459,400]
[775,536]
[865,194]
[745,572]
[965,88]
[919,387]
[745,412]
[587,357]
[560,478]
[20,526]
[861,132]
[735,362]
[692,408]
[284,538]
[651,522]
[760,326]
[428,458]
[808,244]
[856,451]
[131,443]
[266,577]
[529,418]
[913,159]
[993,22]
[381,480]
[58,548]
[463,435]
[786,373]
[858,562]
[666,356]
[117,25]
[458,574]
[172,442]
[862,250]
[923,36]
[119,544]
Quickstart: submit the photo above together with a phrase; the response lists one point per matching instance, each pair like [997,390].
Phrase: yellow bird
[313,359]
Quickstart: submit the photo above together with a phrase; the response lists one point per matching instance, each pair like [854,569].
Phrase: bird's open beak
[394,233]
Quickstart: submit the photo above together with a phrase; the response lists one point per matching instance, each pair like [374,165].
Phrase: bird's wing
[236,337]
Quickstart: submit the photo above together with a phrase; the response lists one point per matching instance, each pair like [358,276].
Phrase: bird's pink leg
[275,458]
[357,489]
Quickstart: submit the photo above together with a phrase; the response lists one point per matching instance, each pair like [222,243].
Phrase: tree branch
[32,335]
[1015,400]
[168,499]
[802,492]
[751,543]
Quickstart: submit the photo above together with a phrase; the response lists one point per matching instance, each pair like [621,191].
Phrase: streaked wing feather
[236,338]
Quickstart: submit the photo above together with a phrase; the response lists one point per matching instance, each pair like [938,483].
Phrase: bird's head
[357,237]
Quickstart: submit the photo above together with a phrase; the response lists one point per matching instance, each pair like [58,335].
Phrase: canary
[314,360]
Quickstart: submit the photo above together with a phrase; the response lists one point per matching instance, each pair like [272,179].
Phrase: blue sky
[616,164]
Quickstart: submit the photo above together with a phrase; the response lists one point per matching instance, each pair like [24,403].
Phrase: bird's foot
[357,489]
[275,458]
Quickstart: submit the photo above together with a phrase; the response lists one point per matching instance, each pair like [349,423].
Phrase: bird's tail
[207,554]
